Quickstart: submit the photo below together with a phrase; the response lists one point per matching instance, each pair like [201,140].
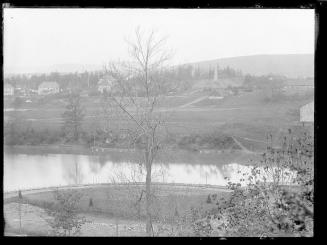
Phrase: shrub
[13,133]
[272,201]
[65,220]
[51,137]
[207,141]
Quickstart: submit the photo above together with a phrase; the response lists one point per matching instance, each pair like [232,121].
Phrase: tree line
[65,80]
[179,77]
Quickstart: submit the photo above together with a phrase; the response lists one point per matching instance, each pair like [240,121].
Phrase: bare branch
[142,75]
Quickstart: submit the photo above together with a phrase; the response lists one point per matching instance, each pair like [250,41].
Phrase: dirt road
[32,221]
[193,102]
[242,146]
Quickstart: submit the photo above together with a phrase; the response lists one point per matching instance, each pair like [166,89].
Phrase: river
[27,171]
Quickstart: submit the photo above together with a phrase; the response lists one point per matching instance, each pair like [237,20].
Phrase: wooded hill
[290,65]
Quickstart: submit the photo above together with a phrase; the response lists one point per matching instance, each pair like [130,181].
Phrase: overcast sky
[45,37]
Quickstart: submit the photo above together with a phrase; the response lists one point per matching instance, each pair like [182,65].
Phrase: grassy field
[34,223]
[247,116]
[121,200]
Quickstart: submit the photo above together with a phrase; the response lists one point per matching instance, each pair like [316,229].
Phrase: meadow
[122,200]
[249,116]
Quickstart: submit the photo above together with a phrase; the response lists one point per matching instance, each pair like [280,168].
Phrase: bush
[12,133]
[272,201]
[51,137]
[65,220]
[207,141]
[15,134]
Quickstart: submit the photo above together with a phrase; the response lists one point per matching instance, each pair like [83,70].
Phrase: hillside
[291,65]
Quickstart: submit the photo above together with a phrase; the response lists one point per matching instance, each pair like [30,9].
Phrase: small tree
[209,199]
[142,75]
[73,117]
[65,220]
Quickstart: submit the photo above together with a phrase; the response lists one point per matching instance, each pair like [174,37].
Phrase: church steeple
[215,77]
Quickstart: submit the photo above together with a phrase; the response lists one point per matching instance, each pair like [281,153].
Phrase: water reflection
[37,171]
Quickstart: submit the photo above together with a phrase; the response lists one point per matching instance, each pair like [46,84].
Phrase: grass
[247,115]
[121,200]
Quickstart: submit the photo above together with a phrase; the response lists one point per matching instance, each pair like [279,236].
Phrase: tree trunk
[75,132]
[148,195]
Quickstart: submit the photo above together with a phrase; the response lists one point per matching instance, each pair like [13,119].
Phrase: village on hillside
[214,84]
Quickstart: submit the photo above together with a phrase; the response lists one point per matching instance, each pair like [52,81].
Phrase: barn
[307,113]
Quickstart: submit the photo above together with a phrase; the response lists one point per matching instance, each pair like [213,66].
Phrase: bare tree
[136,93]
[73,116]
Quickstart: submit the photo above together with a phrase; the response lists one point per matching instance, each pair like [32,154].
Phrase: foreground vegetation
[267,202]
[269,208]
[127,201]
[248,117]
[16,135]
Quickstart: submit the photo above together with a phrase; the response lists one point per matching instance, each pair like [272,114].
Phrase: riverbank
[33,224]
[47,149]
[173,186]
[111,204]
[28,217]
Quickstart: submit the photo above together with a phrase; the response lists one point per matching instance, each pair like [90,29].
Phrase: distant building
[219,86]
[48,88]
[298,86]
[215,75]
[307,113]
[105,84]
[8,89]
[226,82]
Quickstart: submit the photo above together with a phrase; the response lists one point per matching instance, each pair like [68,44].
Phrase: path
[11,194]
[33,219]
[193,102]
[254,140]
[242,146]
[33,222]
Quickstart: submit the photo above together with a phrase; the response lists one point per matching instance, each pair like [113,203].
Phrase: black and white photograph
[158,122]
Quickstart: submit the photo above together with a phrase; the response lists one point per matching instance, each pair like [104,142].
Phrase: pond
[27,171]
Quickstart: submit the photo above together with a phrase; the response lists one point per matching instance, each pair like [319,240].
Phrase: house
[8,89]
[48,88]
[307,113]
[105,84]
